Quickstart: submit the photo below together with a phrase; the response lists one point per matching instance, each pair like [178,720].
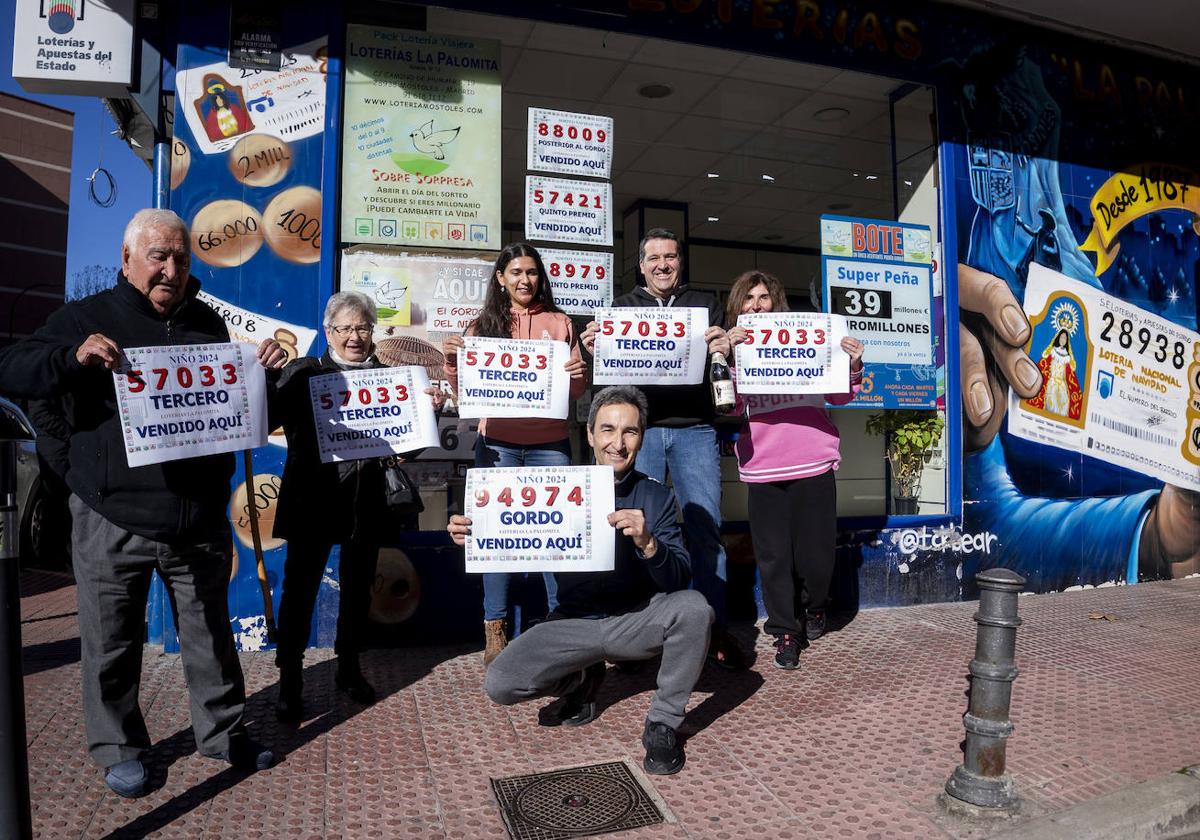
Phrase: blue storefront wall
[1043,118]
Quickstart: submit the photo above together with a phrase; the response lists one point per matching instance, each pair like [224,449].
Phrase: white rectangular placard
[650,346]
[581,280]
[513,377]
[558,210]
[540,519]
[571,144]
[372,413]
[792,353]
[1118,383]
[187,400]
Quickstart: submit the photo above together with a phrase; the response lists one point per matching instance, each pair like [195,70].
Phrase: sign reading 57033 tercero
[878,275]
[421,142]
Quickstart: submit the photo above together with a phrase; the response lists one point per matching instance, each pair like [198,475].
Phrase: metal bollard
[981,779]
[14,761]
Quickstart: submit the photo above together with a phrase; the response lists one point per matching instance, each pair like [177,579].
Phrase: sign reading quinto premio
[74,47]
[421,144]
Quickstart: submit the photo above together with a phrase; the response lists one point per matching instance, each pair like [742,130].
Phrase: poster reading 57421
[421,139]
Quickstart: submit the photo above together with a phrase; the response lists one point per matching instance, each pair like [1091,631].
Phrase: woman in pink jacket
[519,304]
[787,452]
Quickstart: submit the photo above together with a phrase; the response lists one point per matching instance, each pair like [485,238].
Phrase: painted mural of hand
[992,334]
[1170,543]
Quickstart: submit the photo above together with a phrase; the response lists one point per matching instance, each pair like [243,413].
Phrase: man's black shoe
[245,754]
[787,652]
[127,778]
[814,624]
[664,753]
[577,707]
[723,651]
[355,686]
[289,708]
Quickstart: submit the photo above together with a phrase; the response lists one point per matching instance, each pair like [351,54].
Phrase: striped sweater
[787,436]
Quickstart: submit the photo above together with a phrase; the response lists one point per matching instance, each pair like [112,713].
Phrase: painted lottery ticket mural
[1098,354]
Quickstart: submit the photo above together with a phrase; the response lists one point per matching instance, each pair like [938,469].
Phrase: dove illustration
[391,296]
[430,142]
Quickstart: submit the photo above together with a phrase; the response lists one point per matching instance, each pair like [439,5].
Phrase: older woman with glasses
[322,505]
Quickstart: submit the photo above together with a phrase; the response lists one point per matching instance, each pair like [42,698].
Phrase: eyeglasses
[361,330]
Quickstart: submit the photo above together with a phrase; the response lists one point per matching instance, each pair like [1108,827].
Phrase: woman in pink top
[519,304]
[787,451]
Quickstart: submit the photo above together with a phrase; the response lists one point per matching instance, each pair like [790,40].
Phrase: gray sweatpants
[112,576]
[548,660]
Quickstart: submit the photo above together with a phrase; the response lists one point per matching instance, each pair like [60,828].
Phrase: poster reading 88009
[421,143]
[1118,383]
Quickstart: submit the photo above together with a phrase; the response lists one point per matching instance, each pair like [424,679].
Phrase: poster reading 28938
[421,143]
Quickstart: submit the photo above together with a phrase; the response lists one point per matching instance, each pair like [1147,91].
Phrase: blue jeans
[494,453]
[691,456]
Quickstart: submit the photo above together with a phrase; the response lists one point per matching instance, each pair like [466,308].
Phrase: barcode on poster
[1132,430]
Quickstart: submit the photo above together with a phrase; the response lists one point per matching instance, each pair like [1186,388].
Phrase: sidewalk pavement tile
[856,744]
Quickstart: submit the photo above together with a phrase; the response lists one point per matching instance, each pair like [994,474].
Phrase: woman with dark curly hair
[519,304]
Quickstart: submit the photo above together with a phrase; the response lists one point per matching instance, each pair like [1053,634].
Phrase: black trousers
[302,574]
[794,528]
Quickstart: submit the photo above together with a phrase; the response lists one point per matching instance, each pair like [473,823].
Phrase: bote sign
[79,47]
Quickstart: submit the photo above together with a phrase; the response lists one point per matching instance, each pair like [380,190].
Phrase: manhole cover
[576,802]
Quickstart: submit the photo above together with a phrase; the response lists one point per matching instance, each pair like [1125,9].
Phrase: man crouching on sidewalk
[638,610]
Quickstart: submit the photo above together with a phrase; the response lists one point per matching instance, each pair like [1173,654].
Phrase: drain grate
[575,802]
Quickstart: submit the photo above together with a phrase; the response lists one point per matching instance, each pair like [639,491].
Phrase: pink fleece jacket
[539,324]
[788,436]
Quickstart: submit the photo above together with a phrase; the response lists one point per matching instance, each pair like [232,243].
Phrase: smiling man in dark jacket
[638,610]
[131,521]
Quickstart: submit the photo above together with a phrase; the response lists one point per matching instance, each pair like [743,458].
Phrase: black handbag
[400,493]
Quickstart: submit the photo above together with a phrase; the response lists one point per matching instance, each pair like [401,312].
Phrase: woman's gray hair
[619,395]
[151,217]
[359,302]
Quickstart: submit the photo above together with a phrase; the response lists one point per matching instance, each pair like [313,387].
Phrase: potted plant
[912,435]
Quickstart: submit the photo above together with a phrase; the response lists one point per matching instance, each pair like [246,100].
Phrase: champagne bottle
[722,384]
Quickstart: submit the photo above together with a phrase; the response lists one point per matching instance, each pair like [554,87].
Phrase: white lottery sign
[573,144]
[513,377]
[540,519]
[558,210]
[792,353]
[188,400]
[1118,383]
[251,327]
[581,280]
[372,413]
[650,346]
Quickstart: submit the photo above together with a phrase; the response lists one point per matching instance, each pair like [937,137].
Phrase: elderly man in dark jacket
[132,521]
[638,610]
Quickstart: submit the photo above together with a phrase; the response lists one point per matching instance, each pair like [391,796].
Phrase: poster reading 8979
[1118,383]
[540,519]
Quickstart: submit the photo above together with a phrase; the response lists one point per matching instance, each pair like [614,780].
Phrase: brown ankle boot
[494,639]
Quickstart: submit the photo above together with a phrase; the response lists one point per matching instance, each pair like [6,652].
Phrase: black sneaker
[723,651]
[355,686]
[814,624]
[664,753]
[787,652]
[289,708]
[577,707]
[245,754]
